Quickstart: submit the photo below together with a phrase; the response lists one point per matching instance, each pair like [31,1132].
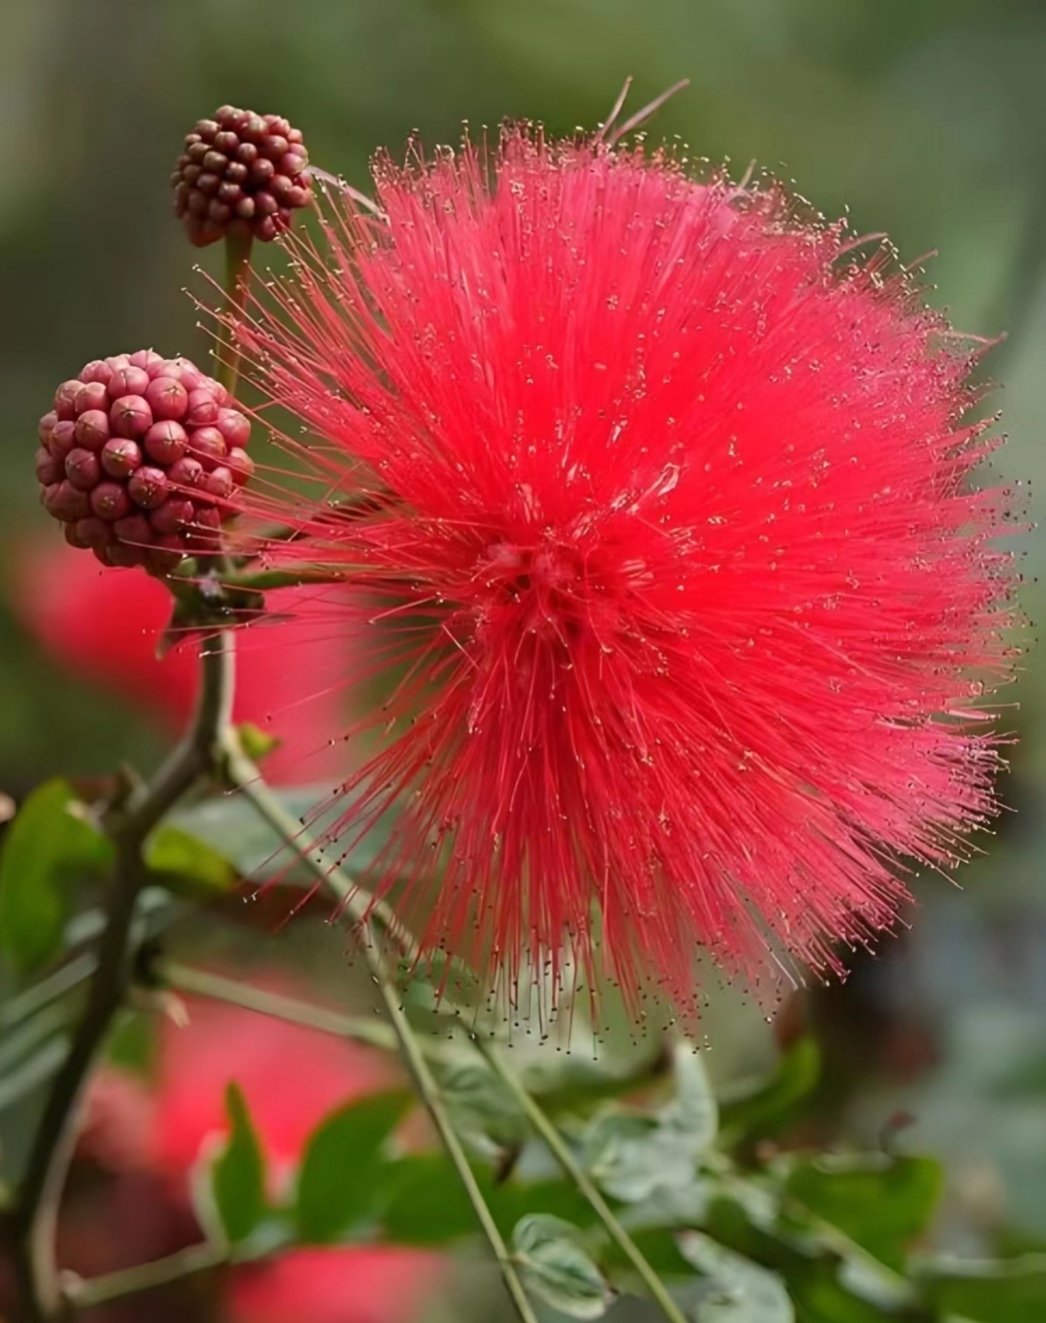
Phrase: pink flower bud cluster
[141,458]
[240,171]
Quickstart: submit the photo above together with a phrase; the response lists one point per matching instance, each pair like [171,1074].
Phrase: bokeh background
[926,120]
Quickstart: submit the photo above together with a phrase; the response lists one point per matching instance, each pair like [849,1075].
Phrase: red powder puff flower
[103,626]
[664,484]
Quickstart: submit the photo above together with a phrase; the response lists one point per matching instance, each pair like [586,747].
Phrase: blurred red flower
[663,487]
[103,625]
[374,1285]
[291,1078]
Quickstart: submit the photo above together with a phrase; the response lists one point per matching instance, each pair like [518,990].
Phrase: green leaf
[656,1244]
[736,1290]
[1011,1291]
[771,1105]
[633,1155]
[881,1202]
[577,1080]
[337,1180]
[238,1173]
[424,1202]
[827,1282]
[232,827]
[255,742]
[555,1267]
[630,1158]
[188,864]
[132,1042]
[693,1113]
[51,845]
[33,1071]
[486,1114]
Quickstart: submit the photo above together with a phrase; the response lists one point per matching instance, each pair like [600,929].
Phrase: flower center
[546,583]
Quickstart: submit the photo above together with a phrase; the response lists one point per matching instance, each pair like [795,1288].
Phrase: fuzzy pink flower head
[661,490]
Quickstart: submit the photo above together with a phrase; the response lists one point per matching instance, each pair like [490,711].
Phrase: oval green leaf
[337,1185]
[237,1182]
[555,1267]
[51,846]
[734,1290]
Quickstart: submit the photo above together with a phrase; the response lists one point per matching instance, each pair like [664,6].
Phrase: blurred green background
[924,119]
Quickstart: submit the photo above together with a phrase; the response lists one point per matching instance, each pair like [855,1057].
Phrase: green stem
[242,773]
[237,283]
[189,1262]
[266,580]
[47,991]
[36,1210]
[215,987]
[561,1151]
[834,1238]
[430,1093]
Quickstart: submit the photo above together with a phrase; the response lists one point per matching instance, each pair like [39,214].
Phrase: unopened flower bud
[165,442]
[82,469]
[167,398]
[240,172]
[91,396]
[130,415]
[137,461]
[201,407]
[234,427]
[147,487]
[128,381]
[241,465]
[120,457]
[91,429]
[109,501]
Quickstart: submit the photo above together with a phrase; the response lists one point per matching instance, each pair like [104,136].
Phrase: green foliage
[237,1176]
[51,846]
[341,1166]
[233,828]
[805,1238]
[486,1115]
[632,1154]
[557,1269]
[734,1289]
[422,1202]
[829,1277]
[989,1292]
[771,1104]
[186,864]
[255,742]
[737,1237]
[883,1203]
